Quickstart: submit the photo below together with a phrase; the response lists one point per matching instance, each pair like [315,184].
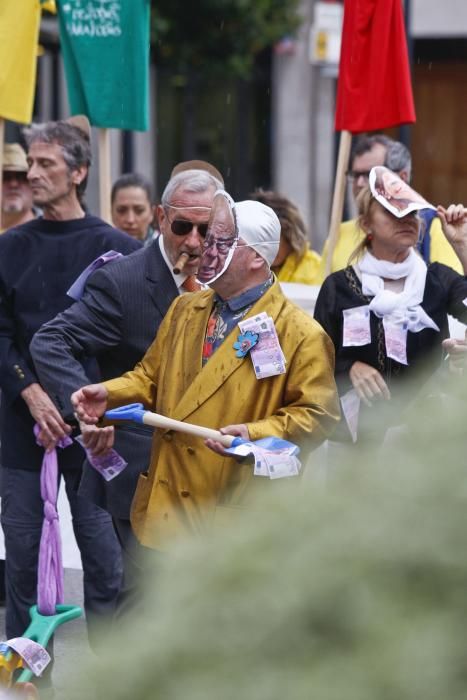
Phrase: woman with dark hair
[387,313]
[131,207]
[295,261]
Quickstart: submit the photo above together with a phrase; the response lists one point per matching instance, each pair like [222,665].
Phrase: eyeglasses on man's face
[223,245]
[354,175]
[14,176]
[182,227]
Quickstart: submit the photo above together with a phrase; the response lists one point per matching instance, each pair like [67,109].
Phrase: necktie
[211,340]
[191,285]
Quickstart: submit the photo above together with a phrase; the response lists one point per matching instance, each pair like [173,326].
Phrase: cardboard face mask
[394,194]
[221,239]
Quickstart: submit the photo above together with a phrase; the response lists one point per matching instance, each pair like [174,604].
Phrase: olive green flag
[105,47]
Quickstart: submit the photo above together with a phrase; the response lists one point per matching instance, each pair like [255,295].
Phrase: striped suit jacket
[115,322]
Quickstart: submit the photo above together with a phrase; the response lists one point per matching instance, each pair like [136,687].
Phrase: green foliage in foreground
[356,591]
[220,36]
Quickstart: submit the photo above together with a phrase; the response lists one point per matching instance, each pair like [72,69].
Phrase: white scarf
[403,308]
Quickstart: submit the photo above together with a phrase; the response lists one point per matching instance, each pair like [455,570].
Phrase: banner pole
[2,141]
[339,195]
[104,174]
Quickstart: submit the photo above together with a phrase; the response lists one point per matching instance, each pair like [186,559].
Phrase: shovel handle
[136,412]
[158,421]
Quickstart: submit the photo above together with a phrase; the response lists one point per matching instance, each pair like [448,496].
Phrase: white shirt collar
[181,277]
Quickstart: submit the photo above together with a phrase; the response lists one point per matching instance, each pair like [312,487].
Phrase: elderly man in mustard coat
[192,373]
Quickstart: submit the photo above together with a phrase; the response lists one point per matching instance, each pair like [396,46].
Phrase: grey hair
[365,143]
[196,181]
[398,158]
[74,142]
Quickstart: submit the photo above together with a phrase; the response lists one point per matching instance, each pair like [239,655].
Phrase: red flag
[374,89]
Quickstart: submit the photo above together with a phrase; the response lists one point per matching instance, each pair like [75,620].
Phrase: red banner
[374,89]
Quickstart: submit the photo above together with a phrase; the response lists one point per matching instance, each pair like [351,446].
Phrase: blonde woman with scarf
[387,314]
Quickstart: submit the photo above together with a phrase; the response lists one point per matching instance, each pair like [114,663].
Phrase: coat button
[184,494]
[190,450]
[168,437]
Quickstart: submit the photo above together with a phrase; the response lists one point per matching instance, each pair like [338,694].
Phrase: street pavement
[71,642]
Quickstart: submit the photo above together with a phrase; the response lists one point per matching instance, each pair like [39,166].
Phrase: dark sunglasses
[9,175]
[180,227]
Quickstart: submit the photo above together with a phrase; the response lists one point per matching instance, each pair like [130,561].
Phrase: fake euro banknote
[33,654]
[274,458]
[267,356]
[109,465]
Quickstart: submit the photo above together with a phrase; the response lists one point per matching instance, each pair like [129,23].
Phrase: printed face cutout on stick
[220,241]
[394,194]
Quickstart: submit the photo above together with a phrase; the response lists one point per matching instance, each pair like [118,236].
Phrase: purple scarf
[76,290]
[50,574]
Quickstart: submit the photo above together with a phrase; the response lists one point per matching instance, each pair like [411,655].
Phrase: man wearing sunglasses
[183,217]
[115,321]
[16,192]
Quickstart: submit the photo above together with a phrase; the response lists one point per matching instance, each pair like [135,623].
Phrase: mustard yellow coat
[188,487]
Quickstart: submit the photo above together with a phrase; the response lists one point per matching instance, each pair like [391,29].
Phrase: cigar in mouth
[180,264]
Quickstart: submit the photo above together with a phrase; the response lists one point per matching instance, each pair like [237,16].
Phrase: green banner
[105,47]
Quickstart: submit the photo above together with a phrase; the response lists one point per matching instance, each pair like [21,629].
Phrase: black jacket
[38,263]
[115,322]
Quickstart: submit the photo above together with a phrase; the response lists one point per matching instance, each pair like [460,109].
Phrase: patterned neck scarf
[225,315]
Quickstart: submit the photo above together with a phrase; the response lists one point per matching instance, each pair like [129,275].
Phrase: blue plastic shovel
[137,413]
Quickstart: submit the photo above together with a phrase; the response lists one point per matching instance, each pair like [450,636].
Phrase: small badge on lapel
[245,342]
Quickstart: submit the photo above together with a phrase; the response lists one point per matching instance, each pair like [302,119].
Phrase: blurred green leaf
[219,36]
